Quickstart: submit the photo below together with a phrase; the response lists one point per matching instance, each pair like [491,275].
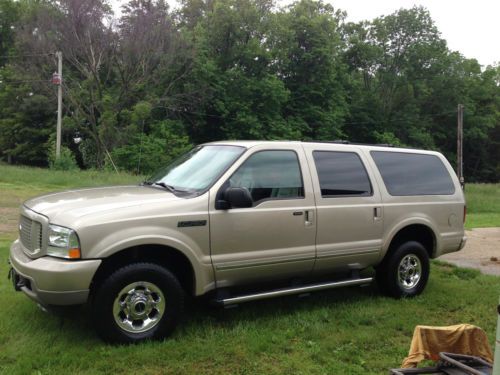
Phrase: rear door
[349,211]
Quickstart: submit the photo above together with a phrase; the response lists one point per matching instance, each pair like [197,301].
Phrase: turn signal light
[74,253]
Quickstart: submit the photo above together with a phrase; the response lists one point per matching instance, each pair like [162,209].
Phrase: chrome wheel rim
[409,271]
[139,307]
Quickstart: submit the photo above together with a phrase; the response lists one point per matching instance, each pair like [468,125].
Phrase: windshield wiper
[170,188]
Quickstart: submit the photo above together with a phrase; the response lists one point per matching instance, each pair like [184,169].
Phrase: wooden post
[59,105]
[460,130]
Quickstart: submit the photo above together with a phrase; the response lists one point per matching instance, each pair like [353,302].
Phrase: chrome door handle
[309,218]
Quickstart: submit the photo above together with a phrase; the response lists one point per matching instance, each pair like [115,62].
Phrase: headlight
[63,243]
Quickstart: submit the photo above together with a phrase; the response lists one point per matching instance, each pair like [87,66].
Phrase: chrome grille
[30,233]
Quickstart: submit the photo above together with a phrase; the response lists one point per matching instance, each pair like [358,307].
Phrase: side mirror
[238,197]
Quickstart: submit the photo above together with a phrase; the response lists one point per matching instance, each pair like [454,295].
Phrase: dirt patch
[481,252]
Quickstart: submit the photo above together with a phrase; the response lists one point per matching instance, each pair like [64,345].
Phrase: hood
[78,203]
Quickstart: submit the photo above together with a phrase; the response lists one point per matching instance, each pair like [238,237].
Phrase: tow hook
[17,282]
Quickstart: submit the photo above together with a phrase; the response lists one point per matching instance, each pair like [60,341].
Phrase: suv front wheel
[405,272]
[137,302]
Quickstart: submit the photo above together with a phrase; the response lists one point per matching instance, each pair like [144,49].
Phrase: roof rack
[346,142]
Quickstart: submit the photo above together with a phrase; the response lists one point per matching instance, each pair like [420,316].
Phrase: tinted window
[413,174]
[270,175]
[341,173]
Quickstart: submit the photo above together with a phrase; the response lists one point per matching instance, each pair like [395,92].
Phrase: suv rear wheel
[137,302]
[405,272]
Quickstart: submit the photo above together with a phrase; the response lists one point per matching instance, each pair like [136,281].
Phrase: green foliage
[162,80]
[146,153]
[65,162]
[9,15]
[26,122]
[308,57]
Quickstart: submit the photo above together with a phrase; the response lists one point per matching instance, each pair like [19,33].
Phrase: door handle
[309,219]
[377,213]
[298,213]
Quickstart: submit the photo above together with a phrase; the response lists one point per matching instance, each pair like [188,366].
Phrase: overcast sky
[470,27]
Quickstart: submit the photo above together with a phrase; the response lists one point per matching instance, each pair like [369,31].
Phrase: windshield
[198,169]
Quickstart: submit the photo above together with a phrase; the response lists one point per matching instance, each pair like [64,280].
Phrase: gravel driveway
[481,252]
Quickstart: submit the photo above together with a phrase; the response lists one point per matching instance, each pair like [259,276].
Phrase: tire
[141,301]
[405,272]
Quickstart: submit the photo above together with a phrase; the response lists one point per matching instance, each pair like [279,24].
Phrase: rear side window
[341,174]
[413,174]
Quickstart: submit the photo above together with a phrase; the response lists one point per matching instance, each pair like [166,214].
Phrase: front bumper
[52,281]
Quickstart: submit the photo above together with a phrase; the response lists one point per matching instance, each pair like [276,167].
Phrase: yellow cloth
[428,341]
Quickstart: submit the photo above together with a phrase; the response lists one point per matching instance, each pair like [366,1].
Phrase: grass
[348,331]
[483,205]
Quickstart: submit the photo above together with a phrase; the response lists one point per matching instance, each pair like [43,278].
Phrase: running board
[294,290]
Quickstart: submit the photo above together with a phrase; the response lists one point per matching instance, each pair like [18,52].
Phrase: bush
[147,153]
[65,162]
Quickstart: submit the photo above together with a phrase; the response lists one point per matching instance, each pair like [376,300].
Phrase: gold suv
[271,218]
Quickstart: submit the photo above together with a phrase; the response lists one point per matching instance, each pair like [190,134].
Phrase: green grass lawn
[483,205]
[348,331]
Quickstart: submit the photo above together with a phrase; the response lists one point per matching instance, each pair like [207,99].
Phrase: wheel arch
[169,257]
[421,232]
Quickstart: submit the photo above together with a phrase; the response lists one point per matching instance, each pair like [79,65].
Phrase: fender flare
[406,223]
[203,280]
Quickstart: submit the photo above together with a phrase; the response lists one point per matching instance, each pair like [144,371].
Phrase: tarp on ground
[428,341]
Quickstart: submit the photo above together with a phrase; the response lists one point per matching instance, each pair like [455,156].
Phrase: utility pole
[460,132]
[59,104]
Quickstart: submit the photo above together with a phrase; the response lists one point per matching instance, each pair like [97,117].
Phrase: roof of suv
[336,144]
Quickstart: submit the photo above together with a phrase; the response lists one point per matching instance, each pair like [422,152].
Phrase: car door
[349,210]
[275,238]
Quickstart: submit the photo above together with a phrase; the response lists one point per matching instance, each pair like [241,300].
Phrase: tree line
[144,86]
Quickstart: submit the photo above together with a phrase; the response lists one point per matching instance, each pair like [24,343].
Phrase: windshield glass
[199,168]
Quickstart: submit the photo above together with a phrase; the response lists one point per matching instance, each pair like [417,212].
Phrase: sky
[470,27]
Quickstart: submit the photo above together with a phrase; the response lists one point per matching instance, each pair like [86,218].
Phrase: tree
[243,97]
[9,15]
[144,87]
[307,49]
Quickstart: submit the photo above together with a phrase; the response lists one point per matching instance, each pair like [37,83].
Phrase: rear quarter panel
[443,214]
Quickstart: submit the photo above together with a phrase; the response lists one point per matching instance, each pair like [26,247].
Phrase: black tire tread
[387,270]
[104,295]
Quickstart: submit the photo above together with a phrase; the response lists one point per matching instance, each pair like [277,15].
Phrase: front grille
[30,232]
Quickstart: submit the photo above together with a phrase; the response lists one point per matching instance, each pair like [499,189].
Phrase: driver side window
[270,175]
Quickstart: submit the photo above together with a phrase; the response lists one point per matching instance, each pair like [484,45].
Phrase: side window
[270,175]
[341,174]
[413,174]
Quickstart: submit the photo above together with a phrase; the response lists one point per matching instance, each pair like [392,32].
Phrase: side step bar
[293,290]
